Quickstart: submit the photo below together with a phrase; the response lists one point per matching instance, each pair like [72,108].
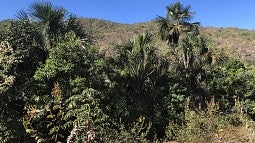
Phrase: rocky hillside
[237,42]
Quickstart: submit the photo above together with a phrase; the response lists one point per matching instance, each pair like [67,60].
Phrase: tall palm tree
[54,21]
[50,18]
[176,21]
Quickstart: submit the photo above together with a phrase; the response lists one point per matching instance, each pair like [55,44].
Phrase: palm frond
[41,11]
[177,12]
[22,15]
[164,25]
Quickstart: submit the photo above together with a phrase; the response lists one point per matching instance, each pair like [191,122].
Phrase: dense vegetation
[56,85]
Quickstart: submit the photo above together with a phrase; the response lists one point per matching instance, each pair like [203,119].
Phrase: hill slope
[237,42]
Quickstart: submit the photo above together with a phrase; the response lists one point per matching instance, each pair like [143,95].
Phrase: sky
[215,13]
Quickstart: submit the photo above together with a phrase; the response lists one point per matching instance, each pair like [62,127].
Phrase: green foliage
[21,53]
[176,22]
[79,118]
[231,82]
[70,64]
[53,22]
[66,57]
[55,86]
[138,84]
[190,61]
[137,132]
[6,60]
[196,52]
[199,125]
[211,125]
[76,119]
[46,125]
[24,39]
[87,119]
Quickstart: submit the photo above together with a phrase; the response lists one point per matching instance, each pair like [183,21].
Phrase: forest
[58,85]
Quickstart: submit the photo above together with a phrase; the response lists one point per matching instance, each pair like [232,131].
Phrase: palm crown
[176,21]
[54,21]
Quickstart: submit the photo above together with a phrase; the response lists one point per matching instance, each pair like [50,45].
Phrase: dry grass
[233,134]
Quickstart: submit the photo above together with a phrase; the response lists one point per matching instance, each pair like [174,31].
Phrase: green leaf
[50,116]
[53,130]
[55,107]
[29,131]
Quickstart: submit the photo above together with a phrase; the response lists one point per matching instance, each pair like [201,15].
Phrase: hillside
[237,42]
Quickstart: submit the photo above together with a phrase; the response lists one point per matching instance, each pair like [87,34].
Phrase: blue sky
[216,13]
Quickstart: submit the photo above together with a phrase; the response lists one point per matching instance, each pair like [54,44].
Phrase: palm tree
[196,58]
[195,51]
[141,68]
[50,18]
[54,21]
[176,21]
